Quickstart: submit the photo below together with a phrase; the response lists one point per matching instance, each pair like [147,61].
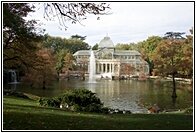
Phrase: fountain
[92,68]
[12,76]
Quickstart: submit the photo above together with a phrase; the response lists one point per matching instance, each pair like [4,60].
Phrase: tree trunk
[44,87]
[174,86]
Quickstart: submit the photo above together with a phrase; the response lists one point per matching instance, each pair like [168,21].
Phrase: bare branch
[74,12]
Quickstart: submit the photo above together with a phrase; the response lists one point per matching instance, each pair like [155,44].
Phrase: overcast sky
[129,22]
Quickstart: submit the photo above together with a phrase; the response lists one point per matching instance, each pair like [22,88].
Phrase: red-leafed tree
[170,57]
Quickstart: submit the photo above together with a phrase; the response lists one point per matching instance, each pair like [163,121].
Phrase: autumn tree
[19,37]
[62,46]
[147,48]
[127,69]
[188,55]
[69,61]
[168,58]
[20,45]
[43,71]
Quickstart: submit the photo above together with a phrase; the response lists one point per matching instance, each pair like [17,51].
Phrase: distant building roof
[82,52]
[126,52]
[106,43]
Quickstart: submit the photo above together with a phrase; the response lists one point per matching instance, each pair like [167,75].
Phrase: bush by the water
[50,102]
[14,93]
[189,110]
[76,100]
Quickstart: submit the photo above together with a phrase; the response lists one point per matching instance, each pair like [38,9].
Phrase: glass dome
[106,43]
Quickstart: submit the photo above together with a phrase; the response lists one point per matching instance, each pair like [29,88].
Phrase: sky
[130,22]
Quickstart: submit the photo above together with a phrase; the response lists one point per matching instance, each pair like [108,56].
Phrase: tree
[188,54]
[60,58]
[19,37]
[127,69]
[130,46]
[147,49]
[76,45]
[74,12]
[77,37]
[43,71]
[69,61]
[168,58]
[95,47]
[58,43]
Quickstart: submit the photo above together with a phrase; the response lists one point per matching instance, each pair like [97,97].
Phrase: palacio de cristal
[111,62]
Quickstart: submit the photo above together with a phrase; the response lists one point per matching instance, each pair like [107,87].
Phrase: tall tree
[69,61]
[60,60]
[168,58]
[43,71]
[188,55]
[147,49]
[95,47]
[19,36]
[21,49]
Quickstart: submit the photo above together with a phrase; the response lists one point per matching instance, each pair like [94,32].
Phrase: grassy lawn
[26,114]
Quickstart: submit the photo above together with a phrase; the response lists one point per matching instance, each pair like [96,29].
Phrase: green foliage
[60,58]
[78,37]
[147,49]
[25,114]
[189,110]
[82,97]
[130,46]
[50,102]
[14,93]
[19,37]
[95,47]
[76,99]
[58,43]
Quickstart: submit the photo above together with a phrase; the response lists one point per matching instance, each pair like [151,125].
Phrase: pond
[133,95]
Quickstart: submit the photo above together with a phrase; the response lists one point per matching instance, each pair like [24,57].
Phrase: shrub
[76,107]
[105,110]
[94,107]
[50,102]
[81,97]
[76,99]
[189,110]
[14,93]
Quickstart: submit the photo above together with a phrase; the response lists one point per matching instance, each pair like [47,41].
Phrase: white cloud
[130,22]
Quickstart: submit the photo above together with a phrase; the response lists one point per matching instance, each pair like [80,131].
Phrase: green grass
[26,114]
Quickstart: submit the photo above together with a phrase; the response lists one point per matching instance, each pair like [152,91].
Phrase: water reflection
[132,95]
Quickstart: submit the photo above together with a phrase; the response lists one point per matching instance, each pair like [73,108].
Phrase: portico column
[110,68]
[106,67]
[119,69]
[98,67]
[102,67]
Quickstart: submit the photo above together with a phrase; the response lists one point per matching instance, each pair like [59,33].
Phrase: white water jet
[12,76]
[92,68]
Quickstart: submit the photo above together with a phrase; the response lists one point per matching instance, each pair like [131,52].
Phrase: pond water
[133,95]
